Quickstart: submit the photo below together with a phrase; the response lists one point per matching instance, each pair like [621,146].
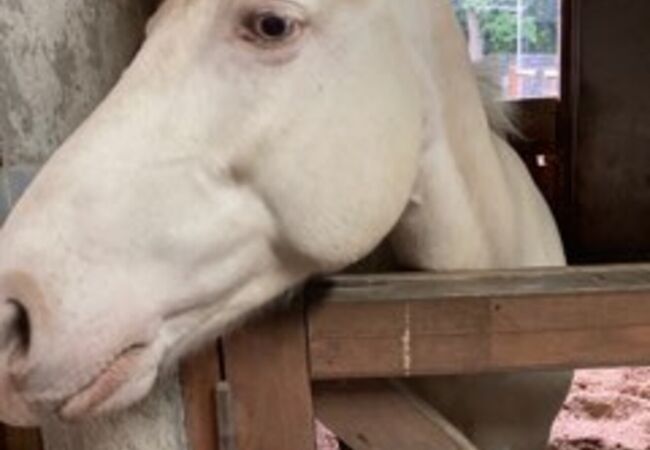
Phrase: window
[519,40]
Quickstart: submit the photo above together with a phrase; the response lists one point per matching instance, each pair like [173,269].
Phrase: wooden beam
[423,324]
[378,415]
[266,366]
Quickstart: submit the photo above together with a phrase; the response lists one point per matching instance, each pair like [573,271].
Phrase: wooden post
[379,415]
[266,365]
[199,377]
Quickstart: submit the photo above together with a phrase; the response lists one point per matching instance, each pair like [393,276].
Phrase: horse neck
[462,211]
[457,121]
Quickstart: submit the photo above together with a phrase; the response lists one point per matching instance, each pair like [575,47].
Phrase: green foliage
[498,21]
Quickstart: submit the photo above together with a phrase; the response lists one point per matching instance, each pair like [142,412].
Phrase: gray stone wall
[58,59]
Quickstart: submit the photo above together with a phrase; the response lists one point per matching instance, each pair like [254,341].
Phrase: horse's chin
[125,381]
[15,411]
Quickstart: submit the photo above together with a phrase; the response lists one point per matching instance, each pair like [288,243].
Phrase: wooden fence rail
[405,325]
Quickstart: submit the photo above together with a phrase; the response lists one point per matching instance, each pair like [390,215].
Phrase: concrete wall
[58,59]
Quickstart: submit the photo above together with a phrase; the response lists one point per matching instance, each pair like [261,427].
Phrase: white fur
[501,115]
[157,423]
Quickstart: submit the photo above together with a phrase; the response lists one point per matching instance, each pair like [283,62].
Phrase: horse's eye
[272,28]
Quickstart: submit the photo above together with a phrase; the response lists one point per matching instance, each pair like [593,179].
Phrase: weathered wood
[420,285]
[419,324]
[199,377]
[377,415]
[267,368]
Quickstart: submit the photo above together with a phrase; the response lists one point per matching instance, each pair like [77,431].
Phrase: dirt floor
[325,439]
[606,410]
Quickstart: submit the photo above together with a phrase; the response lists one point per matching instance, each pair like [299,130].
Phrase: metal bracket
[226,417]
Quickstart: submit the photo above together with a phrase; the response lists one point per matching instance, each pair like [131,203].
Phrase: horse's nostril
[19,327]
[21,308]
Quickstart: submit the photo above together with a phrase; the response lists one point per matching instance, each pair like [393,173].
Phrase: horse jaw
[216,175]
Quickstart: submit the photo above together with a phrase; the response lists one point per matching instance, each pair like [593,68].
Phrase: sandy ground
[325,440]
[606,410]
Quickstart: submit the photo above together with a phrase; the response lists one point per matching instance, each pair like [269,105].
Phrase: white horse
[250,145]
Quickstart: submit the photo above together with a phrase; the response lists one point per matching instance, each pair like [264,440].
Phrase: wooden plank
[267,368]
[384,326]
[199,377]
[420,285]
[377,415]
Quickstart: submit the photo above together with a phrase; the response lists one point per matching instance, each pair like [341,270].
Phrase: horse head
[250,145]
